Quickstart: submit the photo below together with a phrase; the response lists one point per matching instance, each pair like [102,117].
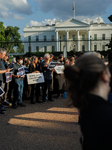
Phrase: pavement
[40,126]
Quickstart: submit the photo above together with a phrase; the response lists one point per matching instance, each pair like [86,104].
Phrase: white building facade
[71,34]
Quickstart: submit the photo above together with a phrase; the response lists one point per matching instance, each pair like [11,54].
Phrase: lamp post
[90,41]
[60,43]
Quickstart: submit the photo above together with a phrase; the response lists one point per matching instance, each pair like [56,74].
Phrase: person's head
[34,59]
[46,57]
[66,61]
[28,62]
[14,60]
[88,73]
[72,60]
[40,58]
[19,59]
[2,53]
[60,57]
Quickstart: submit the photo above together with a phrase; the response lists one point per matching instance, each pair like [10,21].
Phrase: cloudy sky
[38,12]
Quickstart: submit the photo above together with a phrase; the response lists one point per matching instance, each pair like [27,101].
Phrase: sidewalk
[40,126]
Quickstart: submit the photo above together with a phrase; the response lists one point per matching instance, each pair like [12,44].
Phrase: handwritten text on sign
[34,78]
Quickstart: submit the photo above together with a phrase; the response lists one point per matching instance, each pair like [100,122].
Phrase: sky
[38,12]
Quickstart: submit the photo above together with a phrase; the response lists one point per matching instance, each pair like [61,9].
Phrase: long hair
[82,78]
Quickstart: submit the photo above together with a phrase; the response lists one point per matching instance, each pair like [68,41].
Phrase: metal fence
[72,44]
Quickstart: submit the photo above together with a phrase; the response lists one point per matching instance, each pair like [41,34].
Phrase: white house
[72,34]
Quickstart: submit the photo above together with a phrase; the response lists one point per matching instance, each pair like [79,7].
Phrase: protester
[2,71]
[60,78]
[18,83]
[6,87]
[88,86]
[33,69]
[72,61]
[48,76]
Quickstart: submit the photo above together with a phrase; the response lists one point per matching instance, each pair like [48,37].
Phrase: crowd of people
[86,78]
[18,89]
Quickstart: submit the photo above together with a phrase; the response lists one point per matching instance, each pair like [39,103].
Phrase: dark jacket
[2,67]
[47,72]
[96,124]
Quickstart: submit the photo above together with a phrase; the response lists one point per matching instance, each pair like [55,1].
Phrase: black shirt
[32,68]
[96,124]
[2,67]
[47,72]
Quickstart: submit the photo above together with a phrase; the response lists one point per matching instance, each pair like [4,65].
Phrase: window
[29,38]
[45,48]
[103,47]
[52,37]
[37,48]
[53,48]
[64,37]
[37,38]
[83,37]
[95,47]
[44,37]
[103,36]
[95,36]
[73,37]
[83,47]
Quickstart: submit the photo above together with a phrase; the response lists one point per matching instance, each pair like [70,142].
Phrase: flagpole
[74,9]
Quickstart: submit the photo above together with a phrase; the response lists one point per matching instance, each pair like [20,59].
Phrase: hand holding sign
[8,70]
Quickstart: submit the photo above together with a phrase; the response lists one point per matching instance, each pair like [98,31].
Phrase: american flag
[73,7]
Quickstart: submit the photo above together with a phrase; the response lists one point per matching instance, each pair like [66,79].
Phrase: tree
[20,49]
[2,34]
[110,18]
[110,44]
[12,38]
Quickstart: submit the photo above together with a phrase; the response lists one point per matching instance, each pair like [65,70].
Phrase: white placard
[59,69]
[52,65]
[34,78]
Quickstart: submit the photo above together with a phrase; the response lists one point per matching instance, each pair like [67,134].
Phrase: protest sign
[1,92]
[26,69]
[21,72]
[59,69]
[8,76]
[52,65]
[34,78]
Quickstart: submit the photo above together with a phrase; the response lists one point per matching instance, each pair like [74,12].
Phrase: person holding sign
[48,76]
[33,69]
[60,77]
[2,71]
[18,83]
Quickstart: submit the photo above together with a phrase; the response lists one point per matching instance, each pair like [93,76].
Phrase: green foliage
[56,54]
[12,38]
[110,44]
[20,49]
[2,34]
[110,18]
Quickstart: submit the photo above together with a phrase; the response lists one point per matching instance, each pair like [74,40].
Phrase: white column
[88,40]
[78,42]
[57,43]
[67,34]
